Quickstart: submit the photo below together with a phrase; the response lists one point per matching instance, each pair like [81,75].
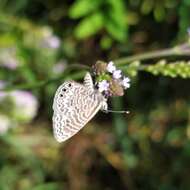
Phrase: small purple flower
[117,74]
[125,82]
[103,86]
[111,67]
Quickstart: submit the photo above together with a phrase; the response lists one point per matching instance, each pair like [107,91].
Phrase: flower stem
[65,75]
[180,50]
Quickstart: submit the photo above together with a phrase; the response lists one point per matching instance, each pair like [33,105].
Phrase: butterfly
[74,105]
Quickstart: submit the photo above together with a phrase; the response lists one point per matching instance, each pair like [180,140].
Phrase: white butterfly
[74,106]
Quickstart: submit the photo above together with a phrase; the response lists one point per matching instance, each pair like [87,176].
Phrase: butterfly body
[74,105]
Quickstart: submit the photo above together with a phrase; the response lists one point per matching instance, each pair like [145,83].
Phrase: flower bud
[115,88]
[100,67]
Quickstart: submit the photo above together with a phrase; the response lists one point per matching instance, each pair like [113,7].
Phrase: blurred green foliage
[99,15]
[41,43]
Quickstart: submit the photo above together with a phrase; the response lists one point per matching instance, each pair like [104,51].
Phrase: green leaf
[83,7]
[116,20]
[89,26]
[147,6]
[106,42]
[118,33]
[117,12]
[159,12]
[184,18]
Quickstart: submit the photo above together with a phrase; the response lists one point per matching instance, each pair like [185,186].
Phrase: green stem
[77,75]
[181,50]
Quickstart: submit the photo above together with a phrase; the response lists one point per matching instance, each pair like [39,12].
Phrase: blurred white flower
[51,42]
[111,67]
[5,124]
[8,58]
[54,42]
[10,63]
[117,74]
[103,86]
[26,105]
[126,83]
[59,67]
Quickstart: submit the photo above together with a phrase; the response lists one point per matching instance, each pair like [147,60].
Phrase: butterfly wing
[73,107]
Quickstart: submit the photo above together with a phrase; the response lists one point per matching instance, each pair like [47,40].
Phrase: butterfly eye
[69,84]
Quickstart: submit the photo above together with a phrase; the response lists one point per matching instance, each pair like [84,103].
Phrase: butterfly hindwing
[88,82]
[74,105]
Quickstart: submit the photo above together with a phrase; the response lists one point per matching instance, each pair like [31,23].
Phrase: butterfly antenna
[113,111]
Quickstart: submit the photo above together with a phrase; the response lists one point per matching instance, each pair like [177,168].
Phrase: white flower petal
[125,82]
[103,86]
[126,79]
[127,85]
[117,74]
[111,67]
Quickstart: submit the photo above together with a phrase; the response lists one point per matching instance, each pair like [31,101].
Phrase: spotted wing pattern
[74,105]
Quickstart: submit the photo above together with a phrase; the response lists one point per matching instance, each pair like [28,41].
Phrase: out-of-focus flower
[54,42]
[103,86]
[5,123]
[8,58]
[51,42]
[59,67]
[42,37]
[26,105]
[117,74]
[10,63]
[126,83]
[111,67]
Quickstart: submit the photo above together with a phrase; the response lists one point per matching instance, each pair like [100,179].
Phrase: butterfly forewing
[74,105]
